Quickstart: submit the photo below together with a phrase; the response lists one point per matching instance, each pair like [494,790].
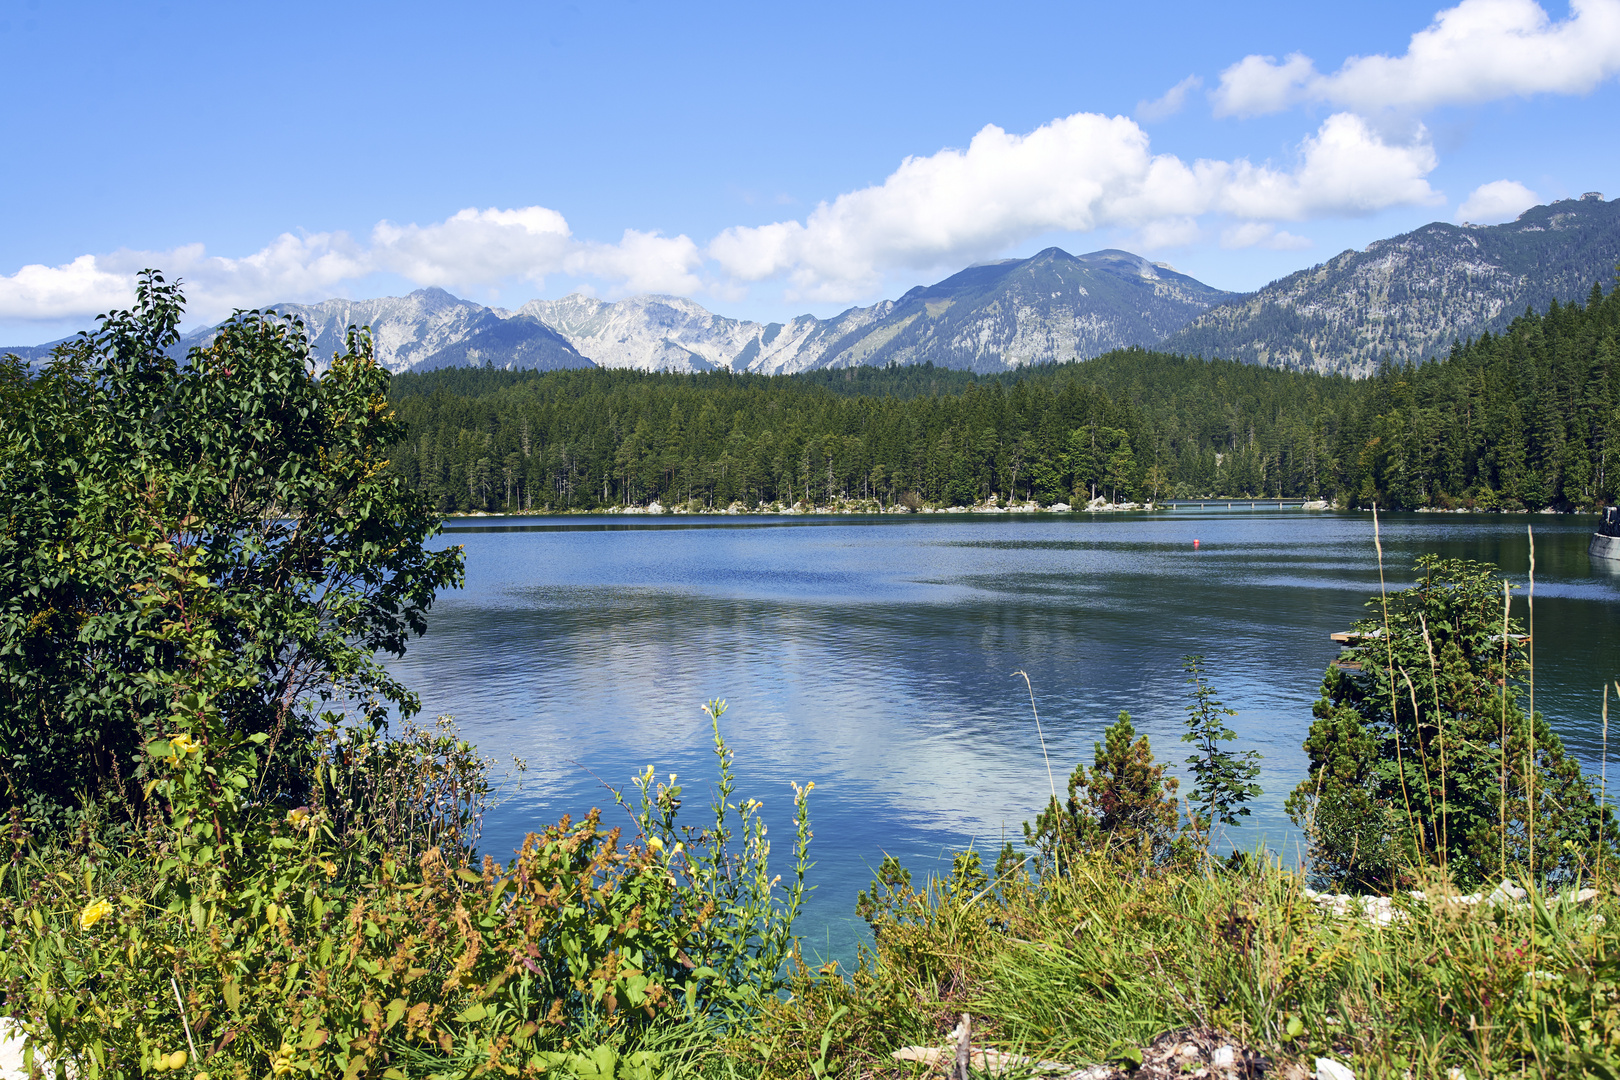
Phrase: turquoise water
[875,657]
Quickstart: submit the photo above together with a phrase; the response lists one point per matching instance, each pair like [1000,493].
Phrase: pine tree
[1222,781]
[1124,807]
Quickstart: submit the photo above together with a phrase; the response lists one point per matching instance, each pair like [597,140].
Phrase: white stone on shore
[1381,910]
[11,1050]
[1328,1069]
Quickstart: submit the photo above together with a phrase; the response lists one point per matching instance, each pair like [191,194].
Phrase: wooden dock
[1350,638]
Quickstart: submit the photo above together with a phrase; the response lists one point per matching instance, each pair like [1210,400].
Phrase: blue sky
[764,160]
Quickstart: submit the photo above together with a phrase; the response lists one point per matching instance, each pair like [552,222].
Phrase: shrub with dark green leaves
[194,558]
[271,480]
[245,940]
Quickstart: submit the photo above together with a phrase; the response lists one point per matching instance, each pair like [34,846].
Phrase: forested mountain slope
[1526,419]
[1412,296]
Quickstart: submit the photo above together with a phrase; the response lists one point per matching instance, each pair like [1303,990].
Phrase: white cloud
[1345,169]
[474,247]
[644,262]
[1259,84]
[1169,104]
[1480,50]
[1262,234]
[289,267]
[78,288]
[1075,174]
[1168,233]
[471,249]
[1500,200]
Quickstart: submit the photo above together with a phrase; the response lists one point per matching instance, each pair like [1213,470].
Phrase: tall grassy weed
[1078,966]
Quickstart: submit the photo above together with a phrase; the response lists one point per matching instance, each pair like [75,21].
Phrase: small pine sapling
[1222,780]
[1124,806]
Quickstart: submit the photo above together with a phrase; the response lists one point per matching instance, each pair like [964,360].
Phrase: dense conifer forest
[1521,420]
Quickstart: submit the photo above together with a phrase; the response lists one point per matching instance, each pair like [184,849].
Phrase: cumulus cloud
[62,292]
[1260,84]
[1261,234]
[1346,168]
[1170,103]
[1075,174]
[1500,200]
[471,249]
[1480,50]
[474,247]
[644,262]
[1169,233]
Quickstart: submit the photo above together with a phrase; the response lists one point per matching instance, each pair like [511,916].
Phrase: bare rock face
[425,330]
[1050,307]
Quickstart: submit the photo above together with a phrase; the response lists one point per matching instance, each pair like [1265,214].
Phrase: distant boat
[1606,541]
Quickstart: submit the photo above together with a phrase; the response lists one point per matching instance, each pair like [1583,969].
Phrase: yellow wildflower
[183,744]
[94,913]
[297,816]
[655,844]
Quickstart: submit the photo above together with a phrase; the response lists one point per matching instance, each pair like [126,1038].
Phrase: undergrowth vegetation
[1091,963]
[212,872]
[229,943]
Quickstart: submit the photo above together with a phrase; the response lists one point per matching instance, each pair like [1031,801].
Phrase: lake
[875,657]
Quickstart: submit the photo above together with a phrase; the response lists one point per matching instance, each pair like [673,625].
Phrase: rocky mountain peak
[1408,297]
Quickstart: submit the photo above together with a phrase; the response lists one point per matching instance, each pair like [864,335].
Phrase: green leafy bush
[270,479]
[1222,781]
[208,553]
[251,941]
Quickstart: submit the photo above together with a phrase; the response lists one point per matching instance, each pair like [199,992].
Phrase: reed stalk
[1502,803]
[1603,794]
[1039,734]
[1427,779]
[1394,718]
[1530,722]
[1440,730]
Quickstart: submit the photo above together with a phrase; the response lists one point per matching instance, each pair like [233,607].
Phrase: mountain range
[1406,298]
[1411,296]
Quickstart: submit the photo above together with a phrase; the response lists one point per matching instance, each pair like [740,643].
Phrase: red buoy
[1195,543]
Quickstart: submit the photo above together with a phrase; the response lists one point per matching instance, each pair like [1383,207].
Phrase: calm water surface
[875,657]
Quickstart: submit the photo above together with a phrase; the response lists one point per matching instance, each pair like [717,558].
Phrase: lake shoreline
[868,508]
